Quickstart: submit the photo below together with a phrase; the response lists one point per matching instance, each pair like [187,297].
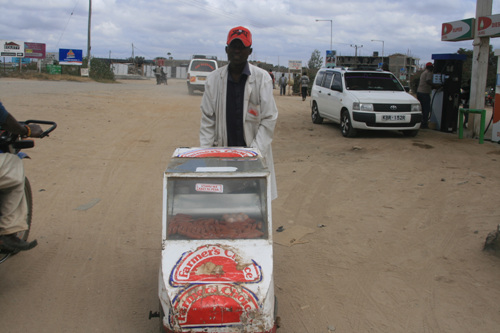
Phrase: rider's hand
[36,130]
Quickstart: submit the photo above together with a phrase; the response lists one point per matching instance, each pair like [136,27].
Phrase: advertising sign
[11,48]
[331,58]
[34,50]
[458,30]
[214,264]
[214,305]
[70,57]
[54,69]
[23,60]
[295,64]
[488,26]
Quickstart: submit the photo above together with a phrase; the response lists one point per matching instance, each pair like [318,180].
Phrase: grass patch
[50,77]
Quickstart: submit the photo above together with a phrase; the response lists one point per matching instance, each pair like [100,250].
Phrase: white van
[368,100]
[198,70]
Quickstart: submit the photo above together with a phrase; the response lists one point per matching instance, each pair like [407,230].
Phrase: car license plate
[202,78]
[393,117]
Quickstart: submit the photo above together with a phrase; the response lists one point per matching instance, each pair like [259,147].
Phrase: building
[401,65]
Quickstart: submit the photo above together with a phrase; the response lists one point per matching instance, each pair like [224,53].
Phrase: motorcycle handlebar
[43,122]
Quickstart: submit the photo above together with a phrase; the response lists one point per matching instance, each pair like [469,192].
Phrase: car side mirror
[407,89]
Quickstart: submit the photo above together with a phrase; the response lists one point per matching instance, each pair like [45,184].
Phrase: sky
[282,30]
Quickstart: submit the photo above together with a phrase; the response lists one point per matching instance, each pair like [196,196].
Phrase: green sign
[54,69]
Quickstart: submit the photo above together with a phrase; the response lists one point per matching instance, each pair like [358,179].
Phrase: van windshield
[372,81]
[202,66]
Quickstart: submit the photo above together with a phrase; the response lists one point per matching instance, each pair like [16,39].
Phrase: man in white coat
[238,107]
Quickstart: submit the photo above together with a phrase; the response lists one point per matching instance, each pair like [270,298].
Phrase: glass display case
[216,193]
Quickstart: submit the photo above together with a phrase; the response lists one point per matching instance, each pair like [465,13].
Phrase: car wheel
[346,125]
[410,133]
[316,118]
[190,90]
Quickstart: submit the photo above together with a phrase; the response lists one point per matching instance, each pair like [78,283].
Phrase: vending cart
[216,271]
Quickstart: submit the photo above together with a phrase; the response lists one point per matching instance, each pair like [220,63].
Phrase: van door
[336,95]
[324,94]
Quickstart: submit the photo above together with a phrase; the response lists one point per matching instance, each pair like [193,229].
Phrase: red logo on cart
[214,305]
[219,152]
[214,188]
[214,264]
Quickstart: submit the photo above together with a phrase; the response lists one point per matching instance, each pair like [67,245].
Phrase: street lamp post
[356,52]
[377,40]
[331,31]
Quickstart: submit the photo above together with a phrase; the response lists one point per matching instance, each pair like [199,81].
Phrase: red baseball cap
[429,64]
[240,33]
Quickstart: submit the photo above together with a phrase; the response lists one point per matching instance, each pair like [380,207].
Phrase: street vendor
[238,107]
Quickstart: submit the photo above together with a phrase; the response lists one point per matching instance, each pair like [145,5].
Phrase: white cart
[216,271]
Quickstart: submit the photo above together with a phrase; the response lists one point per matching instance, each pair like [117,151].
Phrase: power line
[76,4]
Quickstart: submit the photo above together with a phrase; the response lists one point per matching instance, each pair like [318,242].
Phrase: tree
[467,67]
[139,61]
[316,61]
[314,64]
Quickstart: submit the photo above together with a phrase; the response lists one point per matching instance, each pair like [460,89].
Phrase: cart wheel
[5,254]
[162,314]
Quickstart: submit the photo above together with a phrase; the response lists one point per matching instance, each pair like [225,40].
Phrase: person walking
[283,83]
[158,74]
[272,77]
[424,93]
[238,107]
[304,85]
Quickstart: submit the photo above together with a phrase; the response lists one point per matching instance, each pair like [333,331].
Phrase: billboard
[34,50]
[70,57]
[295,64]
[458,30]
[11,48]
[331,58]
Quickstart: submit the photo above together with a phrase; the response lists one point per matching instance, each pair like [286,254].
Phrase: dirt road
[395,225]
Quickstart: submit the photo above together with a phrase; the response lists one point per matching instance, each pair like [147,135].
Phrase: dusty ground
[404,219]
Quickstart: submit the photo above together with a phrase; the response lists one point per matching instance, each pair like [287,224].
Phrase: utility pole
[480,56]
[356,52]
[88,37]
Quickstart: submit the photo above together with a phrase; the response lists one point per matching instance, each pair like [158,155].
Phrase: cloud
[283,29]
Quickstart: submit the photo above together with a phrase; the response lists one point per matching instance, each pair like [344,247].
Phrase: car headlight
[362,106]
[416,107]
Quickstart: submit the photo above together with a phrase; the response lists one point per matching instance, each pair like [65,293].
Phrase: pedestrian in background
[283,82]
[424,93]
[304,84]
[272,77]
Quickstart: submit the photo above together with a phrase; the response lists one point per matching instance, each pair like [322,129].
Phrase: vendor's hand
[36,130]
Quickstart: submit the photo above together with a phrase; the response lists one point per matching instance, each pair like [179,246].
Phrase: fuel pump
[445,98]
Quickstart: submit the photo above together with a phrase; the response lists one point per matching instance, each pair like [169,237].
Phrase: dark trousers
[425,102]
[304,92]
[282,89]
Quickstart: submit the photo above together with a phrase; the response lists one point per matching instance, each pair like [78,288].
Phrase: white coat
[259,114]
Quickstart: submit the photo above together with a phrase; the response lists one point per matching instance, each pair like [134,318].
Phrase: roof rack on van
[201,56]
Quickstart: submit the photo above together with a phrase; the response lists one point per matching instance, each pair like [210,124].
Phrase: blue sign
[24,60]
[331,58]
[70,57]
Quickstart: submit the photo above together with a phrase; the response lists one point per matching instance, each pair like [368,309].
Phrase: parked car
[199,68]
[368,100]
